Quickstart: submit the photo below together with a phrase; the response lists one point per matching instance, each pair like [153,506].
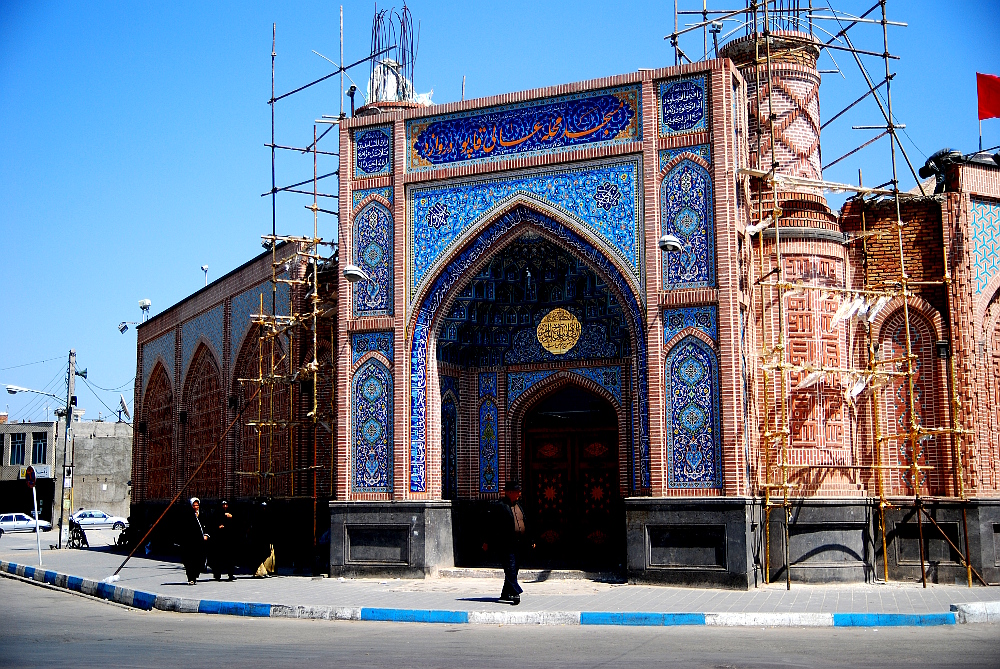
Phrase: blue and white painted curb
[979,612]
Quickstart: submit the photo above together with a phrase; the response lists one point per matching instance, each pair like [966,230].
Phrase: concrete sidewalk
[474,599]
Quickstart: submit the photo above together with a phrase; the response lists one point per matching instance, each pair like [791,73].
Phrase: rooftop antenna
[392,74]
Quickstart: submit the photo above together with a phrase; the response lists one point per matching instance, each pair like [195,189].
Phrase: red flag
[989,95]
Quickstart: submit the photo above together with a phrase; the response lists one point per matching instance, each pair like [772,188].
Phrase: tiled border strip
[979,612]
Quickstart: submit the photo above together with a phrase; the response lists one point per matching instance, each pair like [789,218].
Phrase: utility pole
[66,477]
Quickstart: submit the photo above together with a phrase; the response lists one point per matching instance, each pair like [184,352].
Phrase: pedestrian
[223,534]
[194,540]
[508,533]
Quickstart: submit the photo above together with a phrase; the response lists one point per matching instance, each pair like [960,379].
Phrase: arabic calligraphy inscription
[610,116]
[372,152]
[559,331]
[682,106]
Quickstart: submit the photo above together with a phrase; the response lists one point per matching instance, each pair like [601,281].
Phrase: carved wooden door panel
[572,498]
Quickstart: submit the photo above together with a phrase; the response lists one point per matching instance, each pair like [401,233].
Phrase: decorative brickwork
[205,327]
[204,401]
[262,451]
[158,414]
[160,350]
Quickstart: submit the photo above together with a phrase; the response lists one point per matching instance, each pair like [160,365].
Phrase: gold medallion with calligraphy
[559,331]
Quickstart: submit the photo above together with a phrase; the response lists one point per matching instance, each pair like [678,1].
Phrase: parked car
[21,522]
[94,518]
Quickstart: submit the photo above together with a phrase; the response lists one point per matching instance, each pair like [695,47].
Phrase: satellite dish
[122,407]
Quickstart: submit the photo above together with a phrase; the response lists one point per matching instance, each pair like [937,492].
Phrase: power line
[98,396]
[114,390]
[37,362]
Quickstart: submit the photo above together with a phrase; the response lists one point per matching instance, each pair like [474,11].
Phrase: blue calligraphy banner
[372,152]
[683,106]
[553,125]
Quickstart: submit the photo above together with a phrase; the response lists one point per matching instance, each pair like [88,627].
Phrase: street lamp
[13,390]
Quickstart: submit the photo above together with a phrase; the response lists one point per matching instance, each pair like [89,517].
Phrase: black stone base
[392,539]
[700,542]
[942,563]
[829,540]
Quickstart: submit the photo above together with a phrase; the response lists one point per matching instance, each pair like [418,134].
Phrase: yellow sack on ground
[267,566]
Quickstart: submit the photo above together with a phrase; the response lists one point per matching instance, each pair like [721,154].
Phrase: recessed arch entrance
[431,331]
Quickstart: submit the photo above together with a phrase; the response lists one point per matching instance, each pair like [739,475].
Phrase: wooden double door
[574,512]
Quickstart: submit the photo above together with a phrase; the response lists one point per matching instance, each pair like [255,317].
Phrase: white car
[94,518]
[21,522]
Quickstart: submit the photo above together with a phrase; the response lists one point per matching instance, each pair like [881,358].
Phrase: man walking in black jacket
[508,535]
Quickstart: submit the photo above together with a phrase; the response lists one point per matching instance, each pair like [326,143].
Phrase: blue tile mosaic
[519,383]
[358,196]
[452,276]
[703,151]
[451,384]
[247,303]
[609,378]
[552,125]
[694,451]
[372,152]
[373,252]
[686,211]
[593,343]
[489,454]
[449,447]
[208,325]
[440,215]
[683,106]
[701,318]
[363,342]
[487,384]
[160,348]
[985,224]
[372,460]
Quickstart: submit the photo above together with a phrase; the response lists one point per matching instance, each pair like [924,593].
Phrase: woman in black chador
[223,535]
[194,540]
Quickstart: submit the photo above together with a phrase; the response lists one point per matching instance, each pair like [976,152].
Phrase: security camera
[670,243]
[353,274]
[145,305]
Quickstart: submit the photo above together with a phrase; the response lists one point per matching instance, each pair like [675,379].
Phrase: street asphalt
[41,627]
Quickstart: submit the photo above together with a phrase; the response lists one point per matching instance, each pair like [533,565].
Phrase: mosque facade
[520,322]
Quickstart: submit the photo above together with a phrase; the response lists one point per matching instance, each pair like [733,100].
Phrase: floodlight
[670,243]
[353,274]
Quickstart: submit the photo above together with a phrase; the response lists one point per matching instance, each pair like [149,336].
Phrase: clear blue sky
[132,135]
